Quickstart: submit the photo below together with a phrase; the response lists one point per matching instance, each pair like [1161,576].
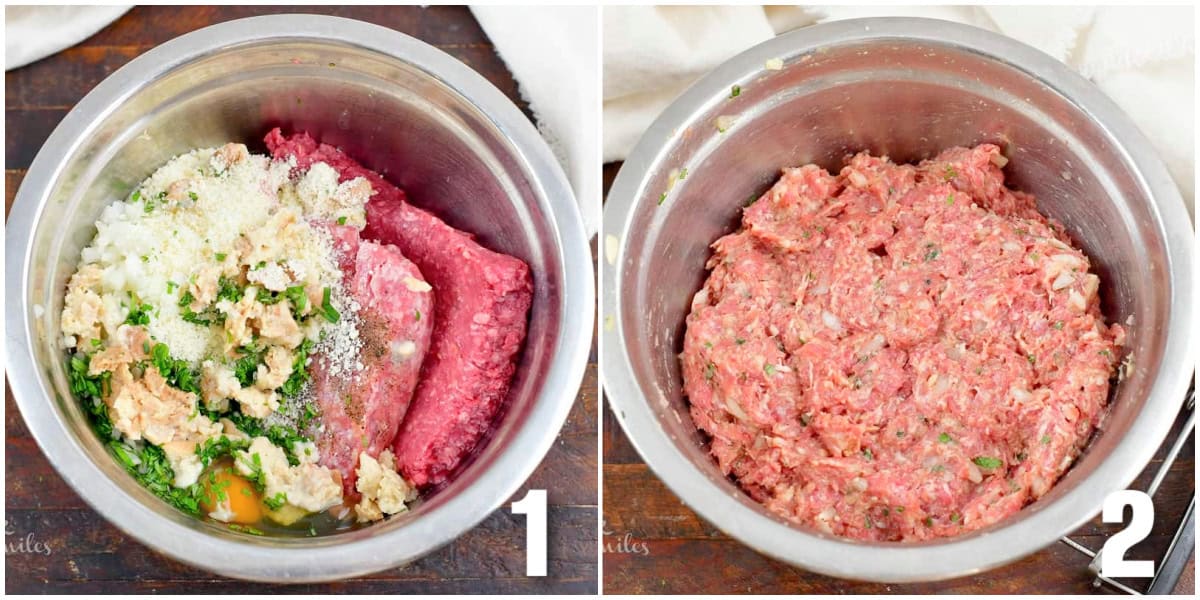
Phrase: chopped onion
[831,321]
[1063,280]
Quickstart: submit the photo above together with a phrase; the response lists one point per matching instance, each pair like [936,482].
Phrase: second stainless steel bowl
[403,108]
[907,88]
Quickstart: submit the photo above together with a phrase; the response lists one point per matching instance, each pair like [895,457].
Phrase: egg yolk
[230,493]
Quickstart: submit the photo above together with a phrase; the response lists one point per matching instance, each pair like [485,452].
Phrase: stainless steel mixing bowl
[906,88]
[404,108]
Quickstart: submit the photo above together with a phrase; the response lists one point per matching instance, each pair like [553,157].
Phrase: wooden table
[87,554]
[653,543]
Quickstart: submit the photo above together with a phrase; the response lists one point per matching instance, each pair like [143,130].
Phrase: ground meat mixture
[899,352]
[480,313]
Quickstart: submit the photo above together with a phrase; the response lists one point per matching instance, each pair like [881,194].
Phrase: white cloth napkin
[34,32]
[553,54]
[1142,57]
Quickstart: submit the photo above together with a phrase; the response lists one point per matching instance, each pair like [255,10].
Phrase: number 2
[1112,558]
[533,506]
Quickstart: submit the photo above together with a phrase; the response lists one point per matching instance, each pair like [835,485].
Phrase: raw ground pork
[482,298]
[363,412]
[899,352]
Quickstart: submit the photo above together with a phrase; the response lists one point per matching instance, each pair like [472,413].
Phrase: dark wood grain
[88,555]
[653,543]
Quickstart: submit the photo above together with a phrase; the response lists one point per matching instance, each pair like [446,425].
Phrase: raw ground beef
[362,412]
[483,300]
[899,352]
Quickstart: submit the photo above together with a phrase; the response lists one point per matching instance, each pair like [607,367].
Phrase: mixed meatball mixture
[898,352]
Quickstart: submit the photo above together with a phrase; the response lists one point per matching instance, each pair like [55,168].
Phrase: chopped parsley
[951,172]
[950,199]
[710,370]
[662,198]
[1045,439]
[417,315]
[276,502]
[91,389]
[245,368]
[139,314]
[295,382]
[171,285]
[220,256]
[227,289]
[945,438]
[215,448]
[327,310]
[868,454]
[1058,324]
[683,174]
[148,465]
[735,92]
[988,462]
[341,220]
[900,433]
[193,196]
[769,369]
[280,435]
[178,373]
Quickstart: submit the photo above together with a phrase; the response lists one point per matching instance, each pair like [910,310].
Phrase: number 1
[533,506]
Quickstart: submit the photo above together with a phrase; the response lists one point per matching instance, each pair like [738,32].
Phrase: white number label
[533,506]
[1112,559]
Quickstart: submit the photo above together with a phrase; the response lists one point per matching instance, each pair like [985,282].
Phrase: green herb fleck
[932,252]
[276,502]
[300,376]
[139,314]
[331,314]
[769,369]
[245,529]
[1058,324]
[341,220]
[987,462]
[945,438]
[221,256]
[1045,439]
[736,91]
